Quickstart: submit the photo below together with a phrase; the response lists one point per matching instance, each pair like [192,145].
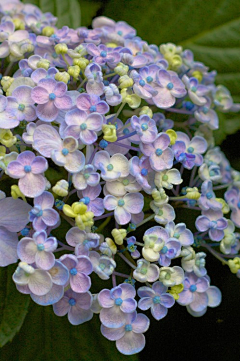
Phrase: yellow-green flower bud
[74,71]
[61,188]
[119,235]
[175,290]
[192,193]
[225,206]
[43,63]
[234,264]
[172,135]
[111,45]
[62,76]
[6,82]
[146,110]
[81,62]
[125,81]
[7,138]
[110,132]
[121,69]
[133,100]
[61,48]
[111,245]
[198,75]
[19,24]
[48,31]
[16,193]
[2,151]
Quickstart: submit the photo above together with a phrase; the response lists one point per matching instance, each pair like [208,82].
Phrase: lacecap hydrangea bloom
[111,136]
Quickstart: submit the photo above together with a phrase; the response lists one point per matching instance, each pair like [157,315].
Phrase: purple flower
[161,156]
[116,303]
[206,115]
[42,215]
[87,177]
[196,91]
[103,266]
[131,203]
[129,337]
[103,55]
[180,232]
[39,282]
[89,197]
[13,214]
[50,97]
[41,73]
[145,128]
[187,151]
[140,169]
[22,104]
[208,198]
[82,241]
[95,85]
[38,249]
[48,142]
[83,125]
[29,169]
[113,97]
[214,222]
[141,86]
[60,275]
[76,306]
[132,248]
[232,197]
[8,246]
[8,118]
[170,250]
[169,87]
[79,269]
[155,298]
[146,271]
[91,104]
[111,168]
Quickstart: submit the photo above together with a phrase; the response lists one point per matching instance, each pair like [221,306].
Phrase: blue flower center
[21,107]
[83,126]
[27,168]
[144,172]
[72,302]
[144,126]
[65,151]
[190,149]
[213,224]
[92,108]
[102,266]
[103,54]
[121,202]
[40,247]
[52,96]
[212,173]
[142,82]
[86,241]
[118,301]
[73,271]
[164,250]
[39,214]
[158,152]
[156,299]
[109,167]
[176,235]
[194,89]
[126,131]
[205,110]
[128,328]
[149,79]
[189,105]
[170,86]
[85,200]
[103,143]
[192,288]
[209,195]
[54,55]
[131,247]
[120,33]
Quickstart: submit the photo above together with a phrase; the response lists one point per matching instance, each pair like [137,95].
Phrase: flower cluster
[109,136]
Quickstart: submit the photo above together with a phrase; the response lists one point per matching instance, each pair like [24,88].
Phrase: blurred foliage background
[211,29]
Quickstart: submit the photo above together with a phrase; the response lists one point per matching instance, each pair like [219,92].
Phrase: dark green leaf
[45,336]
[13,306]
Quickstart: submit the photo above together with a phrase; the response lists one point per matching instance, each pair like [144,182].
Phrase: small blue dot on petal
[118,301]
[52,96]
[73,271]
[170,86]
[65,151]
[193,288]
[158,152]
[27,168]
[72,302]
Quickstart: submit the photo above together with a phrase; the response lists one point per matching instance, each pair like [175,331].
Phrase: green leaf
[44,336]
[13,306]
[211,29]
[68,12]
